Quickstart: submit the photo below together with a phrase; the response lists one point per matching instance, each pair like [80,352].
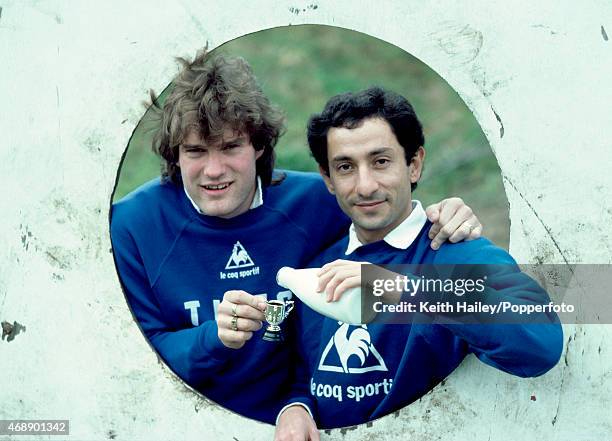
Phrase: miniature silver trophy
[276,312]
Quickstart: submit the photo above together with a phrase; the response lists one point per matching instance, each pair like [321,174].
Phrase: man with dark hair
[349,110]
[220,219]
[369,147]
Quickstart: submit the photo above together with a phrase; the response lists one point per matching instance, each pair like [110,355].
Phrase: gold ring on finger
[234,323]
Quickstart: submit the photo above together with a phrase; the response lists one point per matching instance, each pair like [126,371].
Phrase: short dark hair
[209,95]
[350,109]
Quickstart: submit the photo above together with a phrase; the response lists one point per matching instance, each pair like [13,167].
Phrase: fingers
[334,283]
[324,280]
[328,270]
[238,323]
[238,316]
[450,208]
[434,230]
[433,212]
[348,283]
[475,234]
[243,297]
[336,277]
[452,226]
[468,230]
[227,309]
[439,214]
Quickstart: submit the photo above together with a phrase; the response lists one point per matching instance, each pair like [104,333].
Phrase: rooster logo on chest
[349,343]
[357,343]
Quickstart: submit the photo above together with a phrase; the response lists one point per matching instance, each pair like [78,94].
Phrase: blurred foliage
[301,67]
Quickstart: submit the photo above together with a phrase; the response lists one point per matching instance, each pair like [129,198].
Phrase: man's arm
[526,347]
[194,353]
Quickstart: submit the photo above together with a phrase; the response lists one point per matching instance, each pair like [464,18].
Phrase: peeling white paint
[73,72]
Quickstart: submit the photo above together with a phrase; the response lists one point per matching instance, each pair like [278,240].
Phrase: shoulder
[149,191]
[299,183]
[479,251]
[143,206]
[303,195]
[333,252]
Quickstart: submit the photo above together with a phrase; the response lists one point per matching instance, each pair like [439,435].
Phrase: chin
[369,226]
[215,211]
[370,223]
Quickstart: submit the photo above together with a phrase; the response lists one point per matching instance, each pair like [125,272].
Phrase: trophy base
[274,336]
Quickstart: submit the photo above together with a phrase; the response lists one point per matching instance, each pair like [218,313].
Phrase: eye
[382,162]
[344,167]
[194,152]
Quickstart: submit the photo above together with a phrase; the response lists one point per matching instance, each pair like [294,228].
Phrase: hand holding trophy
[276,312]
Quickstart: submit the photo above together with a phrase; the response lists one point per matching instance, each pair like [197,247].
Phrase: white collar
[401,236]
[257,199]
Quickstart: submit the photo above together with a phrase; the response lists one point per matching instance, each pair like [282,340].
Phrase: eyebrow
[372,153]
[237,140]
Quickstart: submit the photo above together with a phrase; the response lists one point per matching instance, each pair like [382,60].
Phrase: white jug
[303,283]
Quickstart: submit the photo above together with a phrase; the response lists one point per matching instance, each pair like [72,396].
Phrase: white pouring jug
[303,283]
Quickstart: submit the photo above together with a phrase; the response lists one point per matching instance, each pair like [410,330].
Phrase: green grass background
[300,67]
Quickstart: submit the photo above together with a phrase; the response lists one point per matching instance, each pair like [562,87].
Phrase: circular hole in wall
[175,280]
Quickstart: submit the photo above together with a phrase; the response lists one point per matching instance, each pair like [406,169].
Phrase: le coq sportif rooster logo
[239,257]
[351,352]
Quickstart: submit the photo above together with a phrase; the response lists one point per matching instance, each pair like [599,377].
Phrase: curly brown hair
[209,95]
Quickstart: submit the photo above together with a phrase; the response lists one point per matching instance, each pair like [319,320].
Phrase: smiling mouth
[216,187]
[368,204]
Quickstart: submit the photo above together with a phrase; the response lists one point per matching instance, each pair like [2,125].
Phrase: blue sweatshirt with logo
[175,264]
[359,373]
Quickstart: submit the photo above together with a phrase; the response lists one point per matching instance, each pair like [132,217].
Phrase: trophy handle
[289,305]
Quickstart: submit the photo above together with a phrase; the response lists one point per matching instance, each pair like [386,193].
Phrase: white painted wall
[72,77]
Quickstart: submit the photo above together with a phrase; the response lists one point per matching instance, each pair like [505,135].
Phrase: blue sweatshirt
[175,264]
[359,373]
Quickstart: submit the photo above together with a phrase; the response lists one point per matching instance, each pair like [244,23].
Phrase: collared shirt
[400,237]
[257,199]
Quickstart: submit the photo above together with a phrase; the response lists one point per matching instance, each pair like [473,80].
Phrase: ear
[416,165]
[258,153]
[328,182]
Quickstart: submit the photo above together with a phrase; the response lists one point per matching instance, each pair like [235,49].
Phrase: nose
[214,168]
[366,184]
